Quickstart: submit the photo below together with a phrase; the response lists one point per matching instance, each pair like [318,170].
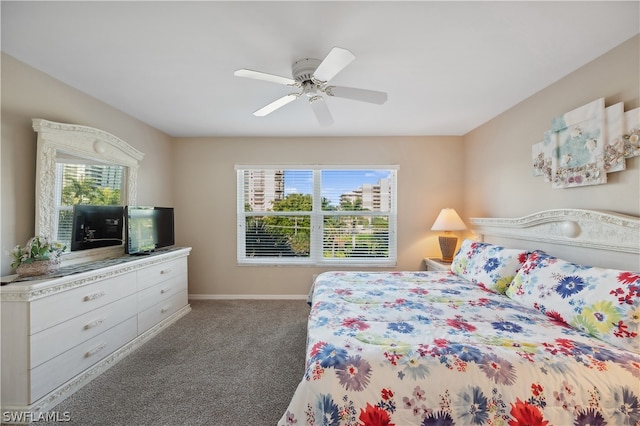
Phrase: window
[312,215]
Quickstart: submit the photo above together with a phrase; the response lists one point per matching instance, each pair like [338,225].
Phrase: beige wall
[427,181]
[498,179]
[28,93]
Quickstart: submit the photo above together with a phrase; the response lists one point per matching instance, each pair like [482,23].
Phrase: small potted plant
[38,257]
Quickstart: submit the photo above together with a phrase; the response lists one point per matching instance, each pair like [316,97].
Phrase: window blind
[320,215]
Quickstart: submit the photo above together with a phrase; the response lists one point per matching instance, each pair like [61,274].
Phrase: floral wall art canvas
[585,144]
[579,158]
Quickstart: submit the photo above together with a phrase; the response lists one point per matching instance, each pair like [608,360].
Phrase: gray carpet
[225,363]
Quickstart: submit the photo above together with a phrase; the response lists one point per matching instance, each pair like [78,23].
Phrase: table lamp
[447,221]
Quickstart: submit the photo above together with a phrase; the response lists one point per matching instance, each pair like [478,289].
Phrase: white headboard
[589,237]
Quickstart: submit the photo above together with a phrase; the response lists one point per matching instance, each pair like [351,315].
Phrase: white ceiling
[447,67]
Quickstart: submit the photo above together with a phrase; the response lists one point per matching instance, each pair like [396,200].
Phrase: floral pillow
[488,265]
[604,303]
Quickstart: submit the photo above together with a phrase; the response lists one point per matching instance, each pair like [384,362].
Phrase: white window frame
[315,257]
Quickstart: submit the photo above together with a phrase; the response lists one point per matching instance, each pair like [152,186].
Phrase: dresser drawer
[161,272]
[60,307]
[165,309]
[58,370]
[55,340]
[153,295]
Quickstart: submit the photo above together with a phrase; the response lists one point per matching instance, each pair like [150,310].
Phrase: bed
[513,334]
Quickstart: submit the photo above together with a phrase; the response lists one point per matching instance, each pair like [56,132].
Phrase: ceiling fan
[312,77]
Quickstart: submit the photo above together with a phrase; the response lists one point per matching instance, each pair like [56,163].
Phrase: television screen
[96,226]
[148,229]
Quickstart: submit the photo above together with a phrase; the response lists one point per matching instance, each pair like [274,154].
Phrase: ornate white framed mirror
[87,151]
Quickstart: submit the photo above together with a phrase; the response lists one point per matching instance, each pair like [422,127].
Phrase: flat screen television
[148,229]
[96,226]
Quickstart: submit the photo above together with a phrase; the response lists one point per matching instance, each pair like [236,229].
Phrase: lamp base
[448,247]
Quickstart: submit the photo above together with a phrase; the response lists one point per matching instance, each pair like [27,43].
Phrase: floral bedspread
[427,348]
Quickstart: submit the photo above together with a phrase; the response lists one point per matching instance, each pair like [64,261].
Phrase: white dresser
[60,333]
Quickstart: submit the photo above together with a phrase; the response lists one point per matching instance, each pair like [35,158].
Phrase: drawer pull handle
[95,350]
[165,290]
[95,323]
[165,271]
[94,296]
[165,309]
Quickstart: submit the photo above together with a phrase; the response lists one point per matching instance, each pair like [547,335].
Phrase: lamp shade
[448,220]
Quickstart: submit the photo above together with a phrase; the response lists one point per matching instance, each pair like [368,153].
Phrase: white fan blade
[257,75]
[363,95]
[321,110]
[335,62]
[278,103]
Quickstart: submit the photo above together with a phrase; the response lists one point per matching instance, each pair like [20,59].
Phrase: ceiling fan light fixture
[309,88]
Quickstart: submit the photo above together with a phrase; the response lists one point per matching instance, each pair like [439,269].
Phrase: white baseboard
[248,296]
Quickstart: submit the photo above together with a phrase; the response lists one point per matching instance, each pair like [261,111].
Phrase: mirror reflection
[80,165]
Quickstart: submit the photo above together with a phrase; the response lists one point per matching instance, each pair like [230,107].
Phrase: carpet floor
[227,363]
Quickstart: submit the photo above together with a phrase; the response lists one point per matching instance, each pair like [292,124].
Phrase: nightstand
[436,264]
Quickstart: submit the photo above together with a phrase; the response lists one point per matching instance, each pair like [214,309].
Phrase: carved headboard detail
[590,237]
